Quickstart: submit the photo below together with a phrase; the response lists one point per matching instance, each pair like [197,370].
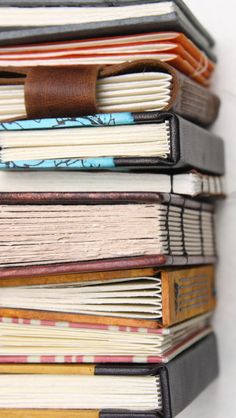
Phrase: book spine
[199,364]
[187,293]
[200,149]
[196,103]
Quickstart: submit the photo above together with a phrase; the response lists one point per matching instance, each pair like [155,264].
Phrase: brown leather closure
[11,81]
[61,91]
[146,66]
[71,90]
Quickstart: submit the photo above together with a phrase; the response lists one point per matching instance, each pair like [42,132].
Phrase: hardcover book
[101,230]
[35,25]
[152,140]
[40,341]
[109,391]
[138,86]
[192,184]
[149,298]
[172,47]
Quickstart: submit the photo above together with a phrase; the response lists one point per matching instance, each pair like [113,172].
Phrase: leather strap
[61,91]
[70,91]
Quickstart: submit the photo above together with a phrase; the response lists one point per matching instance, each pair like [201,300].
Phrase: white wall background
[219,401]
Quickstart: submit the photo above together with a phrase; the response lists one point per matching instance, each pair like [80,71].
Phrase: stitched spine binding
[196,103]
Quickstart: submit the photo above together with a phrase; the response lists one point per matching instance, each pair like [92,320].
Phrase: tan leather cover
[78,369]
[187,293]
[75,277]
[84,319]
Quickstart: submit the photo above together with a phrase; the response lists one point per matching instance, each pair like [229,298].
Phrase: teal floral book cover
[62,123]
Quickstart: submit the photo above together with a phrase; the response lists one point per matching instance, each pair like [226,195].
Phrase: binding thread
[202,66]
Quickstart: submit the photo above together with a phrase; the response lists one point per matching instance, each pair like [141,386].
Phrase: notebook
[148,298]
[192,184]
[152,140]
[121,18]
[146,85]
[109,391]
[101,228]
[33,342]
[172,47]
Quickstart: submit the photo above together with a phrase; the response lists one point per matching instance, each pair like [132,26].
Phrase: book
[152,140]
[100,228]
[148,298]
[172,47]
[123,18]
[192,184]
[147,390]
[31,341]
[146,85]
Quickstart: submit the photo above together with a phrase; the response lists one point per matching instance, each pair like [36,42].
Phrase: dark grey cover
[181,20]
[108,3]
[192,147]
[189,374]
[182,380]
[200,147]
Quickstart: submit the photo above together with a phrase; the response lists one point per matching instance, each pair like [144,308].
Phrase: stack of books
[107,185]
